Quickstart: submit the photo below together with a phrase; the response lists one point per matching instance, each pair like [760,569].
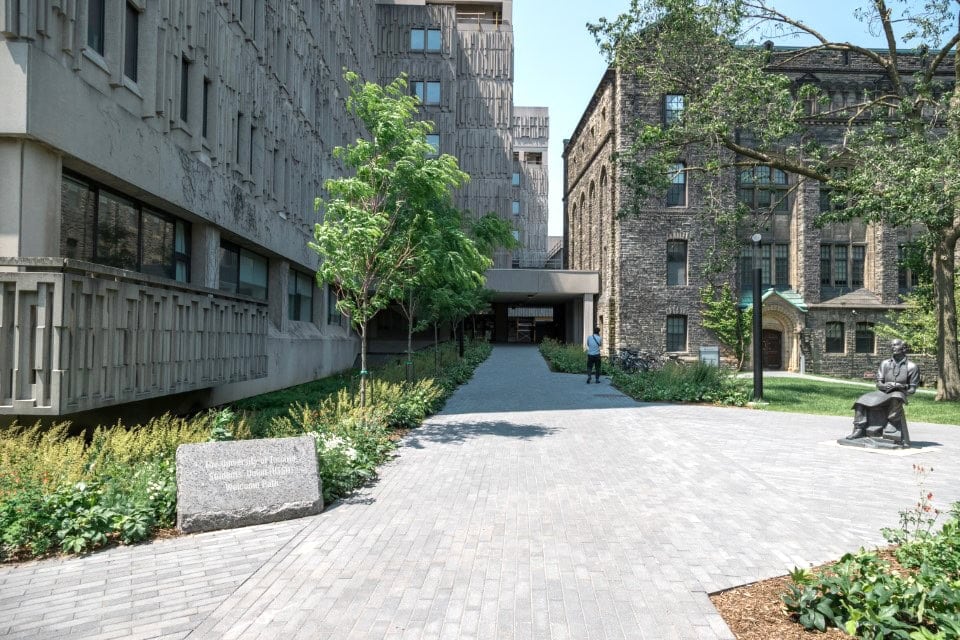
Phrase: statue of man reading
[897,378]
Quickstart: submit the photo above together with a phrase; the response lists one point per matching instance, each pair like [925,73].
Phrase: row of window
[865,340]
[759,188]
[103,227]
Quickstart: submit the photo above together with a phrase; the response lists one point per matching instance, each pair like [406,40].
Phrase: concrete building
[824,288]
[158,167]
[528,207]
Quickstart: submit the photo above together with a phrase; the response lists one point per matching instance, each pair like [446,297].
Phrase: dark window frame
[673,107]
[677,191]
[298,281]
[97,25]
[239,250]
[866,338]
[763,188]
[674,258]
[835,343]
[674,338]
[131,42]
[178,259]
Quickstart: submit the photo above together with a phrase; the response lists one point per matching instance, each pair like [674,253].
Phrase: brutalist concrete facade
[839,279]
[175,150]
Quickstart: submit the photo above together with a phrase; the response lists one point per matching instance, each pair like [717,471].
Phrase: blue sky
[558,64]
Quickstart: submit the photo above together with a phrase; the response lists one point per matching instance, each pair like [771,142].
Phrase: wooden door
[772,349]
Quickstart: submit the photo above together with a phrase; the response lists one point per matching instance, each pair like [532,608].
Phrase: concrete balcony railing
[76,336]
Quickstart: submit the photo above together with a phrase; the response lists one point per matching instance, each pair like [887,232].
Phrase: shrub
[569,358]
[696,382]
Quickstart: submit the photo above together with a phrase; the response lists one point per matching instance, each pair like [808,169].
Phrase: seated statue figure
[881,412]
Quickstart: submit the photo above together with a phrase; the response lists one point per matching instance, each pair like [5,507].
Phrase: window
[782,264]
[515,207]
[677,193]
[906,276]
[765,265]
[96,25]
[300,297]
[434,40]
[239,139]
[827,200]
[533,157]
[102,227]
[676,262]
[515,179]
[672,108]
[253,133]
[676,333]
[763,188]
[835,337]
[184,89]
[242,272]
[417,39]
[428,92]
[131,42]
[516,235]
[433,139]
[856,266]
[866,339]
[837,269]
[333,313]
[205,125]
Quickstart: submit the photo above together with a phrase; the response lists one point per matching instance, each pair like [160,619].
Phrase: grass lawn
[797,395]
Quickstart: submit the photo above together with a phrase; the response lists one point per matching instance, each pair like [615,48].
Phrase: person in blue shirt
[593,353]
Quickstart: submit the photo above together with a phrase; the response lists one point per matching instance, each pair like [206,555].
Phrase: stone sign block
[221,485]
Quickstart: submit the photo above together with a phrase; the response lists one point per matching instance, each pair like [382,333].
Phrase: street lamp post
[757,322]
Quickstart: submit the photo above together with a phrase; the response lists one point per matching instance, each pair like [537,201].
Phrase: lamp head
[756,238]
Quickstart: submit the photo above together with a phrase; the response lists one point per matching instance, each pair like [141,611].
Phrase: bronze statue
[880,413]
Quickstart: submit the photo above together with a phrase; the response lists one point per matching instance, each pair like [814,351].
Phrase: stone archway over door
[772,349]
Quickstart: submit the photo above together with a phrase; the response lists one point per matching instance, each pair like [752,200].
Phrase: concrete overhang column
[587,317]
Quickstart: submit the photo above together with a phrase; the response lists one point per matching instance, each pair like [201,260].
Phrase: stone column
[30,206]
[205,256]
[277,293]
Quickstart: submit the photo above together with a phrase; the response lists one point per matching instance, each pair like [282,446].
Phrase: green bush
[569,358]
[867,598]
[696,382]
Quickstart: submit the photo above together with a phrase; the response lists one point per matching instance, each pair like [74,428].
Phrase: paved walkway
[534,506]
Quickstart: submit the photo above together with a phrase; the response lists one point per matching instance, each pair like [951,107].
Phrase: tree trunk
[944,292]
[436,346]
[410,340]
[363,364]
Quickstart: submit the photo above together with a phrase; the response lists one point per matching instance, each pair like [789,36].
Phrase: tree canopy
[898,144]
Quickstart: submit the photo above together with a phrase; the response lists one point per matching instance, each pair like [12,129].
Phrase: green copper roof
[791,296]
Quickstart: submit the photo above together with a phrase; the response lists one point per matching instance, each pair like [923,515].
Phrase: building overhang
[541,286]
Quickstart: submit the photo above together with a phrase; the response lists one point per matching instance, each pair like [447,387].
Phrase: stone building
[158,167]
[824,288]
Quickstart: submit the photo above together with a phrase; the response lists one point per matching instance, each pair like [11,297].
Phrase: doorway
[772,349]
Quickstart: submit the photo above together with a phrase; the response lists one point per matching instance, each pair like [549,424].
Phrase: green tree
[371,236]
[722,315]
[900,144]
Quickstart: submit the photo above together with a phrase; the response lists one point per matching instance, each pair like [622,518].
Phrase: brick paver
[534,506]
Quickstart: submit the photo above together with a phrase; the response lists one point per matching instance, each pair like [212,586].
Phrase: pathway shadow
[459,432]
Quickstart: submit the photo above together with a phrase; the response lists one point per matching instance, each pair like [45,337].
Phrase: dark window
[765,265]
[205,125]
[434,40]
[677,193]
[131,42]
[515,179]
[96,25]
[242,272]
[856,266]
[417,88]
[676,333]
[417,40]
[835,337]
[236,148]
[300,303]
[839,265]
[676,262]
[78,206]
[433,139]
[763,188]
[746,268]
[782,265]
[118,232]
[102,227]
[515,207]
[184,89]
[253,133]
[672,108]
[825,265]
[906,277]
[333,313]
[533,157]
[866,340]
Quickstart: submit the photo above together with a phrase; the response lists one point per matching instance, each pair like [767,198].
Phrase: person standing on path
[593,353]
